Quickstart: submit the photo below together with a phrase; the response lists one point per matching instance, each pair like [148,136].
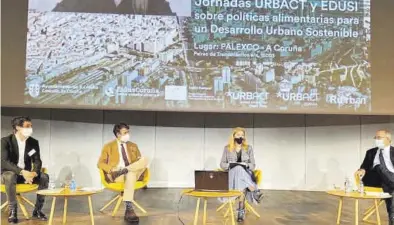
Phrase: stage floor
[277,208]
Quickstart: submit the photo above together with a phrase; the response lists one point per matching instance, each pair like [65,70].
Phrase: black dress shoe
[13,216]
[258,196]
[37,214]
[130,216]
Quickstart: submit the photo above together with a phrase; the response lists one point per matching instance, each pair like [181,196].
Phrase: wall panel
[295,152]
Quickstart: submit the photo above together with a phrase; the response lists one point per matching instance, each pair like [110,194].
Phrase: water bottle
[73,184]
[52,183]
[361,188]
[350,186]
[347,184]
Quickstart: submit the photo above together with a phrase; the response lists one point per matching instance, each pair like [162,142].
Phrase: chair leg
[227,212]
[232,216]
[20,202]
[138,206]
[221,207]
[228,208]
[4,205]
[377,211]
[117,205]
[109,203]
[27,201]
[370,212]
[249,207]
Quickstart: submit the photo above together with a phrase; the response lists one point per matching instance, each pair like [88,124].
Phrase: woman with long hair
[238,160]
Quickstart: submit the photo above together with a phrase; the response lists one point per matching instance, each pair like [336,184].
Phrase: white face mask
[26,132]
[125,138]
[379,144]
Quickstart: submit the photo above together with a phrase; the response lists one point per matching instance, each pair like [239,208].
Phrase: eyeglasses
[379,138]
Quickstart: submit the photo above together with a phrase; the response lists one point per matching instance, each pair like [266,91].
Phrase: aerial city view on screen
[216,55]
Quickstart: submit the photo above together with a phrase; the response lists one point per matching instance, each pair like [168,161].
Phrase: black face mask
[239,140]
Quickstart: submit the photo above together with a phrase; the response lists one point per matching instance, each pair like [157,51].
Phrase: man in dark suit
[21,163]
[377,169]
[143,7]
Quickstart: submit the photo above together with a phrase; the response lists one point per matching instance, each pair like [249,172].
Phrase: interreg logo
[34,89]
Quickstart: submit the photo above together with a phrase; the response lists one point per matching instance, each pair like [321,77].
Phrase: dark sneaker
[258,196]
[13,216]
[37,214]
[241,215]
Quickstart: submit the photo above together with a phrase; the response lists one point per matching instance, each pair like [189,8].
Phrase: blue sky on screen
[180,7]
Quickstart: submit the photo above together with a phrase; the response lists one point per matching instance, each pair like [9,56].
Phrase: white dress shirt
[121,161]
[387,159]
[117,2]
[21,148]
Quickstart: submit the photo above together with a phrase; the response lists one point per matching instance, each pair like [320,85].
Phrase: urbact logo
[34,90]
[248,95]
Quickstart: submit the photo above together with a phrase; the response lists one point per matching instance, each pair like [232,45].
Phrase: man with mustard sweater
[121,161]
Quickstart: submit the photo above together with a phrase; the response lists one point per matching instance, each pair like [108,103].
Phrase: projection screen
[200,55]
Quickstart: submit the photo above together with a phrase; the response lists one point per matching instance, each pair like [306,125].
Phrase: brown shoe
[142,177]
[130,216]
[108,178]
[119,173]
[111,177]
